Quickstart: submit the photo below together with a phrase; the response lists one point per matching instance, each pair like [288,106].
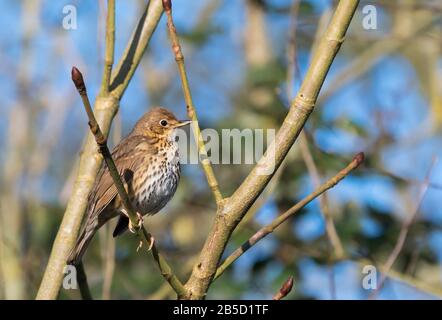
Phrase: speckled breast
[160,181]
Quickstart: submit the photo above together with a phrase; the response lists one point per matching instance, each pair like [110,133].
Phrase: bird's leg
[138,227]
[140,224]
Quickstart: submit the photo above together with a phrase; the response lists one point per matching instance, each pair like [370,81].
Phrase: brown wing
[127,156]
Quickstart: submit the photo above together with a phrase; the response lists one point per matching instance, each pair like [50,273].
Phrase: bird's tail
[83,241]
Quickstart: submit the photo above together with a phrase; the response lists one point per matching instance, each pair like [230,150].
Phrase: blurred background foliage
[383,96]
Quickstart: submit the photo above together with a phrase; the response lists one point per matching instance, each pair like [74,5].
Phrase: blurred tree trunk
[11,213]
[20,140]
[258,53]
[424,53]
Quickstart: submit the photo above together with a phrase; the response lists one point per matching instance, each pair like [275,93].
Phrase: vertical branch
[179,58]
[110,45]
[135,49]
[109,264]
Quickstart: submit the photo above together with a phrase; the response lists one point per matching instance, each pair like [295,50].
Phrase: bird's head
[159,122]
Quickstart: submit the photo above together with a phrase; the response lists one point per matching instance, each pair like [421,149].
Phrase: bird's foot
[133,228]
[151,240]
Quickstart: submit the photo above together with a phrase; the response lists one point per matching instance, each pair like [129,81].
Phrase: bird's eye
[163,122]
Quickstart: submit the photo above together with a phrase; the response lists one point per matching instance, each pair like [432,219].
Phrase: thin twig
[370,57]
[141,232]
[266,230]
[109,240]
[404,232]
[179,58]
[110,45]
[285,289]
[394,176]
[292,66]
[134,51]
[332,234]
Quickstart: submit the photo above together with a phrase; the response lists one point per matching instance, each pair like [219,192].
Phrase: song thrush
[148,162]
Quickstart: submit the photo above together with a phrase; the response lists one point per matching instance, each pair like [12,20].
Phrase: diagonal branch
[371,56]
[293,67]
[141,232]
[233,210]
[179,58]
[266,230]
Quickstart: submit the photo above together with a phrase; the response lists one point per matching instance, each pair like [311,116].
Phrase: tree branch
[371,56]
[233,210]
[141,232]
[110,45]
[179,58]
[266,230]
[292,68]
[135,49]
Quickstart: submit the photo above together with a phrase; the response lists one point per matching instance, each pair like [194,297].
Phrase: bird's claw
[152,241]
[138,227]
[140,245]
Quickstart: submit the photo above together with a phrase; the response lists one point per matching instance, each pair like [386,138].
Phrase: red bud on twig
[77,78]
[167,5]
[359,158]
[285,289]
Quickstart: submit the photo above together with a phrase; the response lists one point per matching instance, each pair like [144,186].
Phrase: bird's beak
[183,123]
